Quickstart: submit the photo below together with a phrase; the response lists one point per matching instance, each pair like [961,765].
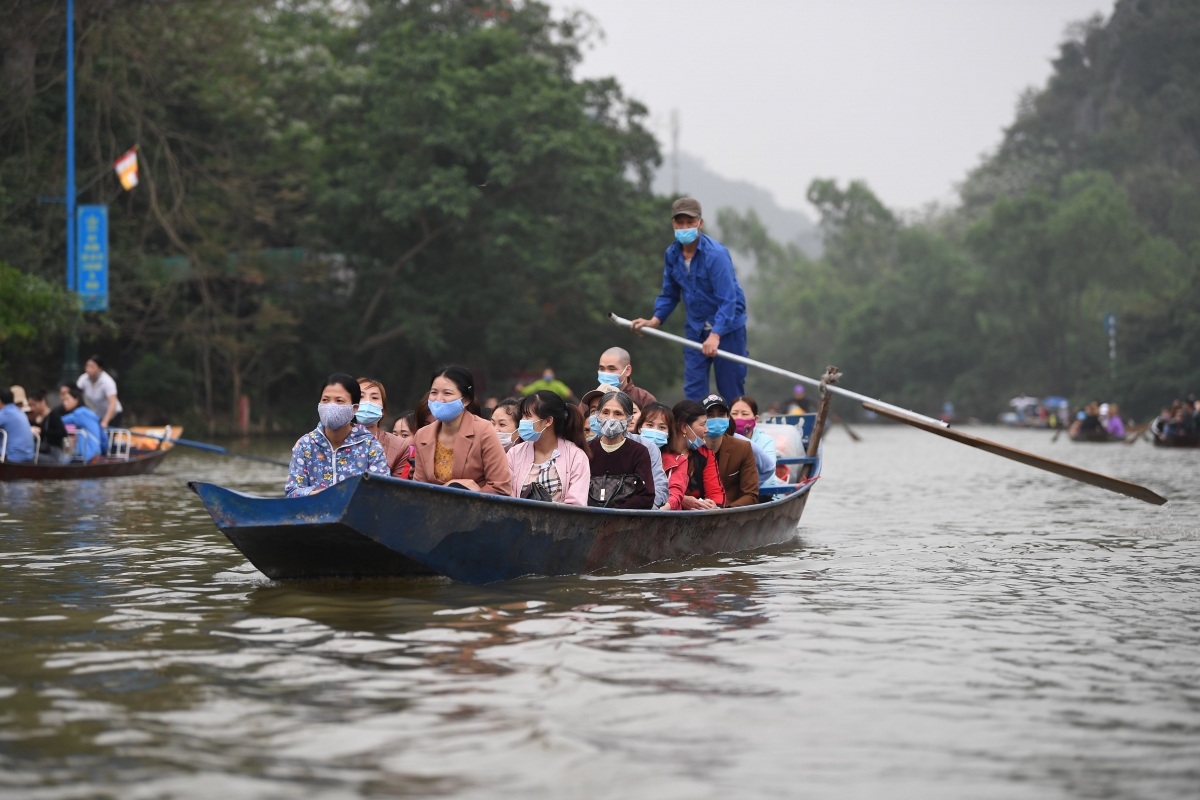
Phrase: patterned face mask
[611,427]
[334,416]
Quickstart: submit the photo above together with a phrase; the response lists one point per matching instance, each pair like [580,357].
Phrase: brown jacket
[395,450]
[739,473]
[478,455]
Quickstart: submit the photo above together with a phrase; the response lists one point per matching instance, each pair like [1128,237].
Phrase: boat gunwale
[353,482]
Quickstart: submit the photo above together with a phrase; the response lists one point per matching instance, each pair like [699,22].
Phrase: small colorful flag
[126,167]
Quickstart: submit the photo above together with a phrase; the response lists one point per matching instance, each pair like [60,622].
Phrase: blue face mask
[716,426]
[369,413]
[686,235]
[609,378]
[651,435]
[526,431]
[695,444]
[446,412]
[594,424]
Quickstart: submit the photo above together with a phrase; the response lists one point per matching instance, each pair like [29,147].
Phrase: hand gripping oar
[934,426]
[213,448]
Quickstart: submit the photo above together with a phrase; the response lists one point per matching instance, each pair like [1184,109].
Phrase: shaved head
[618,354]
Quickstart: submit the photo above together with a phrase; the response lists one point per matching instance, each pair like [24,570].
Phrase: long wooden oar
[934,426]
[861,398]
[215,448]
[1050,465]
[849,430]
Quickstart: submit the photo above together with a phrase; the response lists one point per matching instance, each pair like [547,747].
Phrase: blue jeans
[730,375]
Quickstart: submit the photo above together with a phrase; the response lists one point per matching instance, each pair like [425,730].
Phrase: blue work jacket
[710,292]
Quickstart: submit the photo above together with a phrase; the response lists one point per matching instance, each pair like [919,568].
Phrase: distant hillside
[715,192]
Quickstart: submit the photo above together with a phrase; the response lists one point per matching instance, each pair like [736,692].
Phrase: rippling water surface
[947,624]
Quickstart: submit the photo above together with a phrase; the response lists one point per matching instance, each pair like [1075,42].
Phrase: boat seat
[796,460]
[772,491]
[119,442]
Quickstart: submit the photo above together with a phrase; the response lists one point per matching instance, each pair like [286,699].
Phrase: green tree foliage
[30,308]
[370,187]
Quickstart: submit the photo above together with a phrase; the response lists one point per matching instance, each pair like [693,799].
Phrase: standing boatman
[698,270]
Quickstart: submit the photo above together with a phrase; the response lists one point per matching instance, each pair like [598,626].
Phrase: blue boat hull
[373,526]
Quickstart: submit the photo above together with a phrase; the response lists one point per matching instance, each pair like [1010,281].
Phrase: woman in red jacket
[704,487]
[657,428]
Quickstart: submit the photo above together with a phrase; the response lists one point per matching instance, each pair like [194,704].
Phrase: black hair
[511,406]
[675,443]
[463,379]
[74,391]
[748,400]
[688,411]
[345,381]
[36,394]
[623,399]
[99,361]
[6,395]
[568,424]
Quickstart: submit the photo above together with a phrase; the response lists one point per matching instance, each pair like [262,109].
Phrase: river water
[948,624]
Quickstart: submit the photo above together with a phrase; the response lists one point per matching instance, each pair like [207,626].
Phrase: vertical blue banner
[92,246]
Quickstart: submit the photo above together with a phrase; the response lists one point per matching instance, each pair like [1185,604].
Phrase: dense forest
[1090,205]
[383,186]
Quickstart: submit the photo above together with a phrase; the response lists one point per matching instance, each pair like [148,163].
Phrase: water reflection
[962,629]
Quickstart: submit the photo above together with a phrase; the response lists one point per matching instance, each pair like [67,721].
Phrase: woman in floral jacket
[339,448]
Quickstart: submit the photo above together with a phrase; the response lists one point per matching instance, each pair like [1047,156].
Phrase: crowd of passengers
[1180,419]
[75,429]
[617,448]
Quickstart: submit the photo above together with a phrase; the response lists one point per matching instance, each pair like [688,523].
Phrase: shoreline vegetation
[384,189]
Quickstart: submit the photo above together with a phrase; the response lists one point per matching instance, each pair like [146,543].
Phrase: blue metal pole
[70,367]
[70,145]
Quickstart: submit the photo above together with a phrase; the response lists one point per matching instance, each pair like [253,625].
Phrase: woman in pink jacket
[552,451]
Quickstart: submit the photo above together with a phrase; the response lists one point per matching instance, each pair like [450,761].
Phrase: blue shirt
[709,290]
[20,438]
[89,445]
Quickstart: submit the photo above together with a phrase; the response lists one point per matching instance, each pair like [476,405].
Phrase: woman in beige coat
[460,448]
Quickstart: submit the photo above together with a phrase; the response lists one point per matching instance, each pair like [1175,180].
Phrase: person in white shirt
[101,392]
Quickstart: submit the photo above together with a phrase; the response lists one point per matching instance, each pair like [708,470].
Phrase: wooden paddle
[1136,433]
[931,425]
[1050,465]
[215,448]
[849,430]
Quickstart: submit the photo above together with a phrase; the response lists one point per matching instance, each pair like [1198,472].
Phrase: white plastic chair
[119,442]
[37,446]
[3,446]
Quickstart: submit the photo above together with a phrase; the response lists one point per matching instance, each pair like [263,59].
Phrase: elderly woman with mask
[338,448]
[621,475]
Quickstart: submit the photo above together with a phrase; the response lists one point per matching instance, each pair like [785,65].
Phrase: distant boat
[124,459]
[1180,439]
[1096,436]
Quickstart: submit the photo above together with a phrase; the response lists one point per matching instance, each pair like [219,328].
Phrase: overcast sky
[906,95]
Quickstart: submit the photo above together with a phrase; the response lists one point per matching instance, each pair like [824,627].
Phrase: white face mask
[506,439]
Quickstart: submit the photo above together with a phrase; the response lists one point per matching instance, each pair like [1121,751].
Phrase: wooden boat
[139,462]
[1180,439]
[1096,436]
[131,453]
[376,526]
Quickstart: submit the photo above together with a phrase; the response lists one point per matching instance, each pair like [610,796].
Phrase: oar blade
[1117,485]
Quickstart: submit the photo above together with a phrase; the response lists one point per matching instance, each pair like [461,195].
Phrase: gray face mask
[334,416]
[611,427]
